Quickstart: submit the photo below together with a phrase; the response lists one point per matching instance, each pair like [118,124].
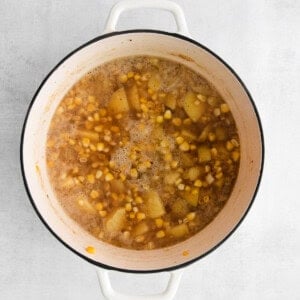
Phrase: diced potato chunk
[116,221]
[193,107]
[204,154]
[133,97]
[118,102]
[170,101]
[191,197]
[179,230]
[140,228]
[171,177]
[154,205]
[179,208]
[154,82]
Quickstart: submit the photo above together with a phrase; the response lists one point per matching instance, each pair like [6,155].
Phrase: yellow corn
[90,249]
[160,234]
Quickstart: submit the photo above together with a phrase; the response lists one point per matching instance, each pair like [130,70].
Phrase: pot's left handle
[110,294]
[168,5]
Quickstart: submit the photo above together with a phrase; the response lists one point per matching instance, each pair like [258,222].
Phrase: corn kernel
[98,128]
[91,107]
[176,121]
[139,238]
[235,143]
[144,108]
[159,222]
[140,216]
[195,191]
[94,194]
[128,207]
[168,114]
[60,110]
[81,178]
[148,164]
[137,77]
[191,216]
[174,164]
[90,178]
[134,173]
[123,78]
[160,234]
[90,249]
[219,175]
[197,102]
[109,177]
[181,186]
[150,91]
[168,157]
[198,183]
[72,142]
[132,215]
[224,108]
[96,116]
[93,147]
[102,112]
[135,209]
[130,74]
[99,206]
[138,200]
[85,142]
[91,98]
[211,136]
[207,168]
[115,129]
[159,119]
[103,213]
[179,140]
[217,112]
[122,176]
[100,147]
[184,146]
[99,173]
[229,146]
[214,151]
[202,98]
[235,155]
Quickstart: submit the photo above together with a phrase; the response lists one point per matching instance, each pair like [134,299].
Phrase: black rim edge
[120,33]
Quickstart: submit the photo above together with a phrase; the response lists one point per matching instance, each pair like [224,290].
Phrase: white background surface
[261,41]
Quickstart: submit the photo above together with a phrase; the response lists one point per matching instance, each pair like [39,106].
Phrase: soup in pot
[142,152]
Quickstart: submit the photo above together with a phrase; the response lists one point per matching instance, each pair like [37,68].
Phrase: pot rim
[115,33]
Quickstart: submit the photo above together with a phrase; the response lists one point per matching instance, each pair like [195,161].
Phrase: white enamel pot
[174,46]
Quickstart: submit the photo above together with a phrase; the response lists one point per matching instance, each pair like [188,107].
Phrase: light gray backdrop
[261,41]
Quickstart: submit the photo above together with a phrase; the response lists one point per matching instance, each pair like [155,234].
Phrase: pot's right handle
[168,5]
[110,294]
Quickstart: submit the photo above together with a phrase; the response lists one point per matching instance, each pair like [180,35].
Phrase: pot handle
[110,294]
[168,5]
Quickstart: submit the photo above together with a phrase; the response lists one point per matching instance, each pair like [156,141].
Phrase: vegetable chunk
[116,221]
[118,102]
[154,205]
[193,107]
